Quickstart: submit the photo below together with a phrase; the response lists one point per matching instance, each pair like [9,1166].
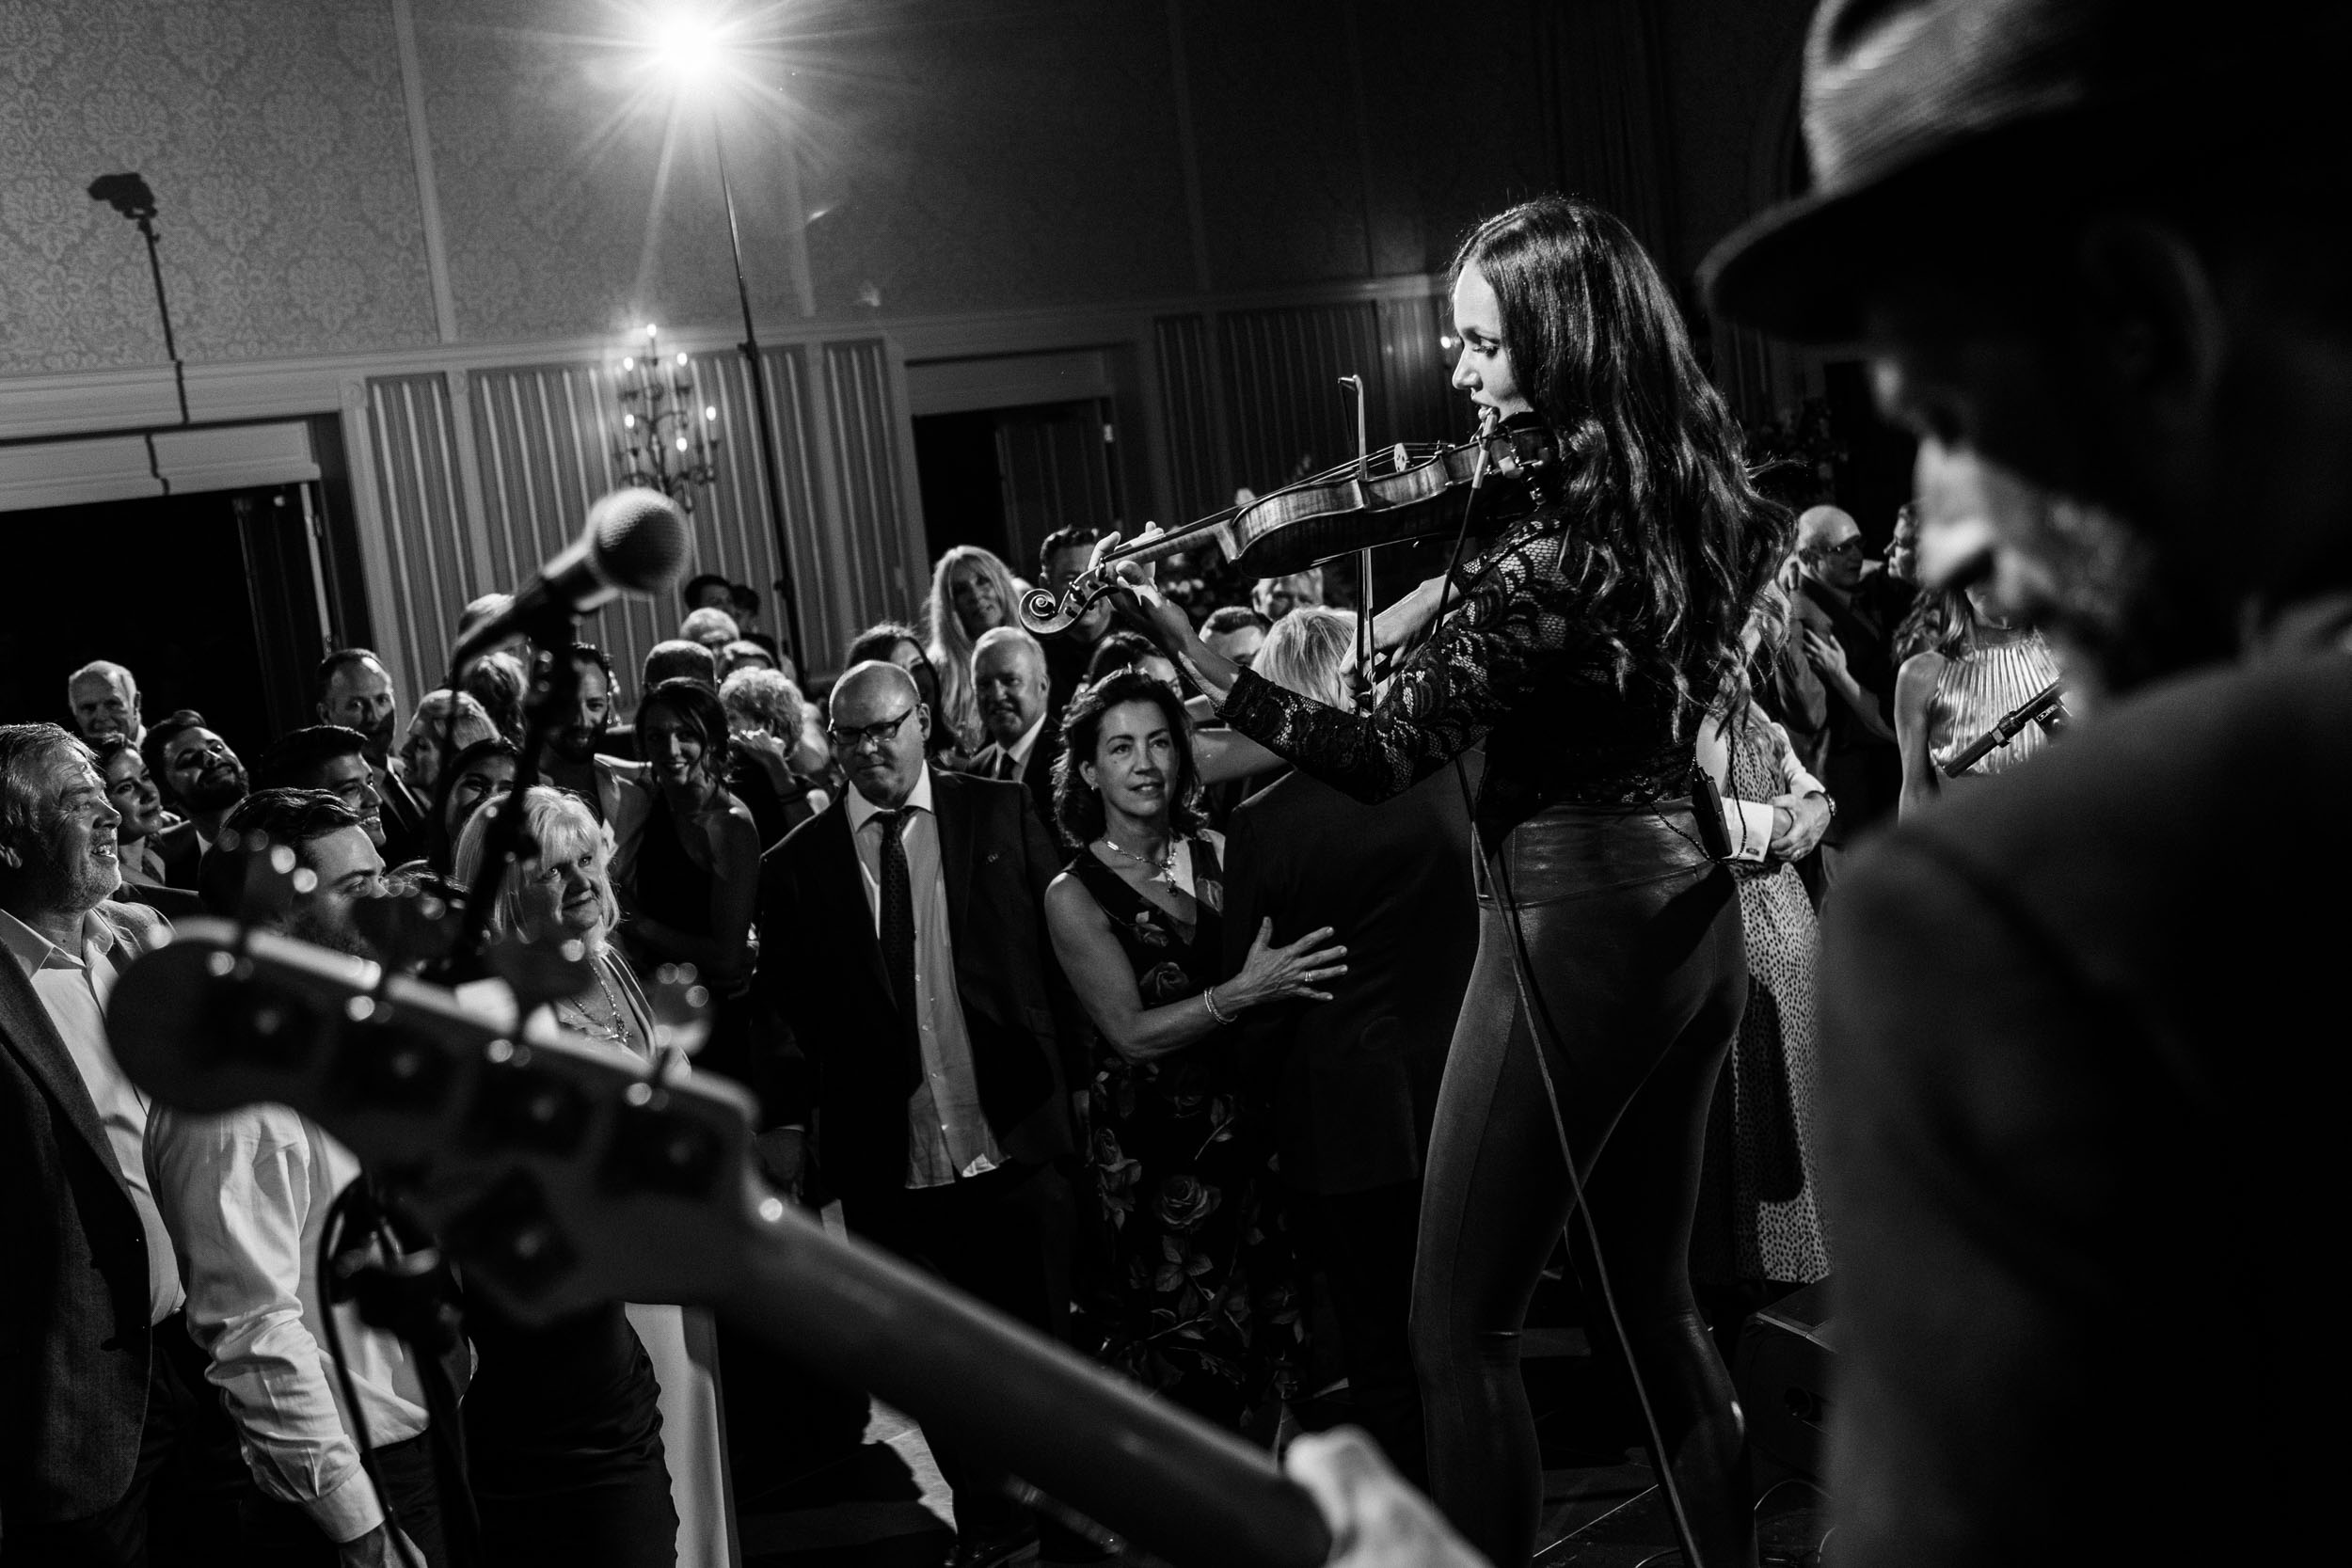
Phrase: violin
[1412,491]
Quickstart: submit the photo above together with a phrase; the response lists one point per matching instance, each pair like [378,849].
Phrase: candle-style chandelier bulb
[675,452]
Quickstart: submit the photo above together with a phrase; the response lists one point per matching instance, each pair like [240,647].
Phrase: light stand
[769,465]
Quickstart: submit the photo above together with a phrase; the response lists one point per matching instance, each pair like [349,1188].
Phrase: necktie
[898,924]
[1006,768]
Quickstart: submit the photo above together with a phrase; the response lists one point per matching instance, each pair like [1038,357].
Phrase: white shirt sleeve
[1749,825]
[236,1192]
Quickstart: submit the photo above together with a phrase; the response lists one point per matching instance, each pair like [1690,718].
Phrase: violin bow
[1355,384]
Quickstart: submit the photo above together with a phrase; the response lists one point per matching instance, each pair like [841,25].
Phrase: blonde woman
[972,592]
[594,1440]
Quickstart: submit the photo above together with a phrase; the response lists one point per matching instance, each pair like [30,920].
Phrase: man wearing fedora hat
[2098,246]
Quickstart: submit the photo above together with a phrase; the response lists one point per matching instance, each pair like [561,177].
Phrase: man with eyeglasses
[903,942]
[1843,621]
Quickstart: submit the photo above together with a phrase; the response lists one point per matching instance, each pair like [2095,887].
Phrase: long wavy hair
[1941,621]
[950,647]
[1668,540]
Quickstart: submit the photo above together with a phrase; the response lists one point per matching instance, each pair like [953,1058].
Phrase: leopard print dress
[1759,1218]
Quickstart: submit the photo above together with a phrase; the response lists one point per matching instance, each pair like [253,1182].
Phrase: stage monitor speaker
[1782,1371]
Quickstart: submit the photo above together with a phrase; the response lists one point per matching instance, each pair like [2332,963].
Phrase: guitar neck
[562,1175]
[1133,1462]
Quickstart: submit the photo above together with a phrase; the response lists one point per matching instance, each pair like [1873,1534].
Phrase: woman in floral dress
[1192,1294]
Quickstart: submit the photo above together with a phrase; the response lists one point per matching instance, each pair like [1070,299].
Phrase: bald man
[104,700]
[902,938]
[1843,625]
[1010,681]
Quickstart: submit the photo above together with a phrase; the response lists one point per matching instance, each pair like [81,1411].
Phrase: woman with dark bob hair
[1198,1301]
[1584,647]
[693,883]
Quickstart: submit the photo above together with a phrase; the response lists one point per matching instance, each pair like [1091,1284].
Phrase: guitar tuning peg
[540,973]
[410,926]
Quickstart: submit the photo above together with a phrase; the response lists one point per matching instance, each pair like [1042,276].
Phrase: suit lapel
[24,1023]
[953,808]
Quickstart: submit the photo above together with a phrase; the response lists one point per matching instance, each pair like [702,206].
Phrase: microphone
[635,541]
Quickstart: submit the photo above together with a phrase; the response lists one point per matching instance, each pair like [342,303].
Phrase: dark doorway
[1875,478]
[209,600]
[1005,478]
[954,463]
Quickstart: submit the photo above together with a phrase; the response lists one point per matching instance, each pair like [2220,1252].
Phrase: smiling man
[104,698]
[99,1401]
[355,692]
[1010,685]
[332,758]
[195,770]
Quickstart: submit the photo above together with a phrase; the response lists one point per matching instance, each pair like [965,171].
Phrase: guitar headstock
[560,1173]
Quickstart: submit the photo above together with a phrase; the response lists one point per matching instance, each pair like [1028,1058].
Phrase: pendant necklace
[1163,867]
[610,1029]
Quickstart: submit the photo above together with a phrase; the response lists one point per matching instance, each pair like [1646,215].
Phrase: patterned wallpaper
[557,211]
[984,154]
[274,136]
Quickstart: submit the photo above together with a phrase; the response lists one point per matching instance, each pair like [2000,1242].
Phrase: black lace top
[1513,666]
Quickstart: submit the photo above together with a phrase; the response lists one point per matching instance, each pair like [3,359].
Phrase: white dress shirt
[1020,752]
[73,988]
[1750,822]
[246,1195]
[948,1134]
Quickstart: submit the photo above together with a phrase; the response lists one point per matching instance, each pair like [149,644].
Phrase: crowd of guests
[1057,986]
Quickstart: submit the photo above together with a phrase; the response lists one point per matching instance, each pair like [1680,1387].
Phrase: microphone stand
[553,693]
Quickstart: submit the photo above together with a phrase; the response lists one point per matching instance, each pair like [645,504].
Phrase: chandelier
[669,436]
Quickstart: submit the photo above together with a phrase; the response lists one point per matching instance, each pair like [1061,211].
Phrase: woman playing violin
[1584,648]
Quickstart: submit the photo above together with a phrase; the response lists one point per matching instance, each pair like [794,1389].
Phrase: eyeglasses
[881,734]
[1847,547]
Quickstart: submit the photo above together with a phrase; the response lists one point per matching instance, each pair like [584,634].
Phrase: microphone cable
[1534,1005]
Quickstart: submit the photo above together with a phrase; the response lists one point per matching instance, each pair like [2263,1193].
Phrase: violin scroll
[1045,616]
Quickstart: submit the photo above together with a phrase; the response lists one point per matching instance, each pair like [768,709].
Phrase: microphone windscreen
[640,540]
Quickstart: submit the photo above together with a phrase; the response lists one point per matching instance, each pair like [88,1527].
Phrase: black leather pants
[1631,936]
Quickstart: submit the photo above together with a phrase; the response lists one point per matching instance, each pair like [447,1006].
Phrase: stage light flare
[688,44]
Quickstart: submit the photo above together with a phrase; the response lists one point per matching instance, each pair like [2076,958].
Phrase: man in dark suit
[104,1429]
[356,692]
[1011,685]
[1354,1080]
[902,939]
[2074,1022]
[1844,630]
